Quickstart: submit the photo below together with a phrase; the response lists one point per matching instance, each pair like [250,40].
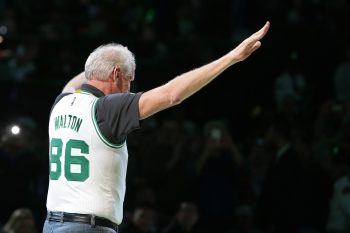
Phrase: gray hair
[104,58]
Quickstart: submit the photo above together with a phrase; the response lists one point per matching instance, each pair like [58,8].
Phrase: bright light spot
[15,129]
[1,39]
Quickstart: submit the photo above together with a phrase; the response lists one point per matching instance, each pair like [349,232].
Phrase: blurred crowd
[264,149]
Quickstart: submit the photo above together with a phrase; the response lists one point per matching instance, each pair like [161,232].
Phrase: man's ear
[115,73]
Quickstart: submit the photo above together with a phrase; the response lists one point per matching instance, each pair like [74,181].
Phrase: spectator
[144,220]
[339,213]
[256,165]
[163,149]
[243,220]
[327,127]
[290,87]
[22,65]
[341,79]
[281,203]
[19,164]
[218,167]
[185,220]
[21,221]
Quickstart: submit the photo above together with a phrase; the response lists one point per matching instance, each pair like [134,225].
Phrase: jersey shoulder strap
[58,98]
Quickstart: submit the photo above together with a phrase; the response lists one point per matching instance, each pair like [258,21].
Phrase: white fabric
[102,193]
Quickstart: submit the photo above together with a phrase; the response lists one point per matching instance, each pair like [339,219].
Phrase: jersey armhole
[99,133]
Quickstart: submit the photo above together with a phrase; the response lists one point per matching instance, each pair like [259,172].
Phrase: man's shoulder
[122,98]
[60,96]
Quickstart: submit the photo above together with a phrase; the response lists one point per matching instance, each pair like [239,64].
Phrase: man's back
[87,173]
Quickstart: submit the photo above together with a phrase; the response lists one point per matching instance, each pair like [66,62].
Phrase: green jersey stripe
[93,109]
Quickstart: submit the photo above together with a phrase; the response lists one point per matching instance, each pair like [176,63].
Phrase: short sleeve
[117,115]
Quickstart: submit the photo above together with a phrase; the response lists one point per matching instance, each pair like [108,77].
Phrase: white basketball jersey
[87,173]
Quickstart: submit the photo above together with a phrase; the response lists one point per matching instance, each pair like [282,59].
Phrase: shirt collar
[93,90]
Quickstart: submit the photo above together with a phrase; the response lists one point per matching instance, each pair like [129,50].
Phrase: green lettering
[70,118]
[68,121]
[57,122]
[78,124]
[73,122]
[65,117]
[61,122]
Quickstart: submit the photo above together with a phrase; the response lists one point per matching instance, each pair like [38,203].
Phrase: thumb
[256,45]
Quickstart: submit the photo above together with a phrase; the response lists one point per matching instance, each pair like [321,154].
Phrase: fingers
[262,32]
[249,45]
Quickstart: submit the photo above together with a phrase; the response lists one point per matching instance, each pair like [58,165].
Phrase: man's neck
[103,86]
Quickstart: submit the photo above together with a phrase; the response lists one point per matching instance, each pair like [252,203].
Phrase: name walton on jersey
[68,121]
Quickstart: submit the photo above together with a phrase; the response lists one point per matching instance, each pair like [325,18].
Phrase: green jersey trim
[93,110]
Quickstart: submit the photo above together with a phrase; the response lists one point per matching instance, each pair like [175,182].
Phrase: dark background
[45,43]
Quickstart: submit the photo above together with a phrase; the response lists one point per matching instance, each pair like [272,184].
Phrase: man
[281,206]
[143,220]
[22,220]
[88,126]
[339,202]
[186,220]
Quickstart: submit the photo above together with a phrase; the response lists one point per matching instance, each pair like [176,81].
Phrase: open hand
[249,45]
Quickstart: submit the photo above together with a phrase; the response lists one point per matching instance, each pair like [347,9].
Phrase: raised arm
[185,85]
[75,83]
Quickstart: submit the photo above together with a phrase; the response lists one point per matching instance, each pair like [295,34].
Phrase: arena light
[15,129]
